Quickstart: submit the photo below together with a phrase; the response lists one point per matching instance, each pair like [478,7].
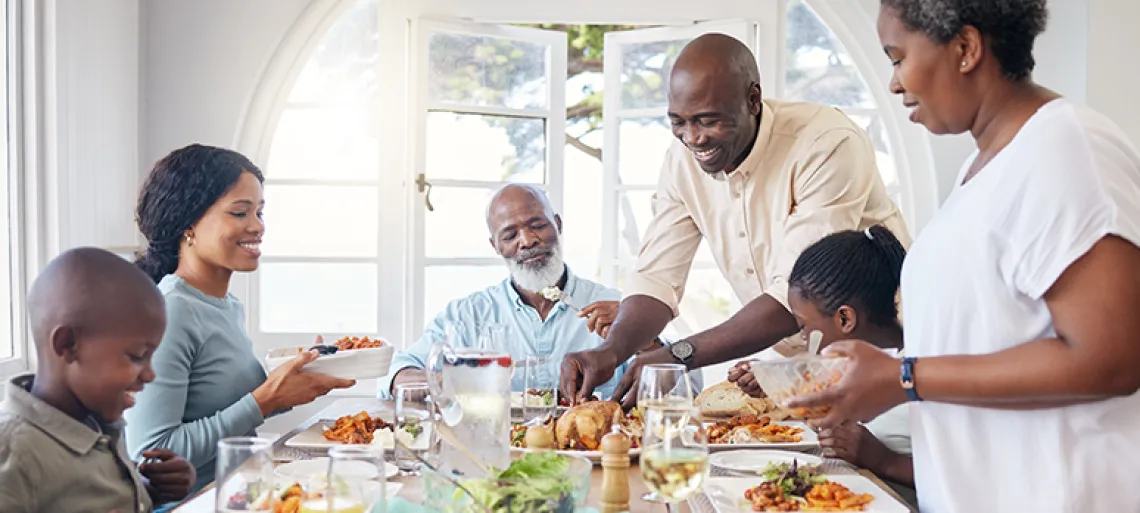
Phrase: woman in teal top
[200,210]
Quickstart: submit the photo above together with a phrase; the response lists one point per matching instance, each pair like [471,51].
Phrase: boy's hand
[171,478]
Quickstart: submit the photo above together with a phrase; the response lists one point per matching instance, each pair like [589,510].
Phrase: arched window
[319,124]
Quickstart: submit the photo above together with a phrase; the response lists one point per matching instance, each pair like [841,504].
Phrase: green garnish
[413,429]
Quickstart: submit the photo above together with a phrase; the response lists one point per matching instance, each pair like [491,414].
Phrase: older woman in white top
[1021,295]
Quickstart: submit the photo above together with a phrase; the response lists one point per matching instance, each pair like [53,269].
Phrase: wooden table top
[412,487]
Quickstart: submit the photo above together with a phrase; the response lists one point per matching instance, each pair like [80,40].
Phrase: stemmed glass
[663,386]
[674,454]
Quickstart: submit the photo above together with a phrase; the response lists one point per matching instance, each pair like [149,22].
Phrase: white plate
[755,461]
[593,456]
[727,493]
[368,363]
[313,437]
[303,470]
[810,440]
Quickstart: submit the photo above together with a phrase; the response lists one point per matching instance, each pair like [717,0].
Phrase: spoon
[814,340]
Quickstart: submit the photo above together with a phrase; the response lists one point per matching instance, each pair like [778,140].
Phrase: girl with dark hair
[845,287]
[1021,293]
[200,210]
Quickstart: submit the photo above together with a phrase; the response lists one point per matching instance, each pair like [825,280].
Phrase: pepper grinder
[615,471]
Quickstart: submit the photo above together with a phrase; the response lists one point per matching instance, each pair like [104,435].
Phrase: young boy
[96,320]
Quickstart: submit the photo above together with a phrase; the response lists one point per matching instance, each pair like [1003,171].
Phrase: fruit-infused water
[475,405]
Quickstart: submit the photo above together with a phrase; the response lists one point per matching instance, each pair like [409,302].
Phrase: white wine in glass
[675,455]
[663,386]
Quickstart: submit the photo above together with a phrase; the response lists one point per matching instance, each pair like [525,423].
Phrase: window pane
[643,144]
[645,72]
[486,71]
[458,225]
[491,148]
[445,283]
[819,69]
[582,213]
[343,65]
[321,221]
[317,298]
[326,144]
[878,131]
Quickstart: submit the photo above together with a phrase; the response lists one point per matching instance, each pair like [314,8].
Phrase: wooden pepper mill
[615,471]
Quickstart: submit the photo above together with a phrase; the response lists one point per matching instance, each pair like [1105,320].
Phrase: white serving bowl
[368,363]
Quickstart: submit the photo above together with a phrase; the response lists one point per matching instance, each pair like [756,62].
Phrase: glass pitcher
[471,388]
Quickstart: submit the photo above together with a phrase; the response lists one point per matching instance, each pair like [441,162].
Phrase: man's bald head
[714,100]
[514,196]
[91,291]
[718,56]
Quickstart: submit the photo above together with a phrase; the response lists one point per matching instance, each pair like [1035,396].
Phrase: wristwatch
[682,350]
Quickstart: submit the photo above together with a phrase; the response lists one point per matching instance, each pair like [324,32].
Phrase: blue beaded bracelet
[906,378]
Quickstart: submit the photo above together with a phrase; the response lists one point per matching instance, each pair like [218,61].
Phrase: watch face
[682,350]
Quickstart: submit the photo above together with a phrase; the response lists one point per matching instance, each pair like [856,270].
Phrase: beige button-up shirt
[50,462]
[811,172]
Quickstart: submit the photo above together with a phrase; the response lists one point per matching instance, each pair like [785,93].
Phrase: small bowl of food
[347,358]
[786,378]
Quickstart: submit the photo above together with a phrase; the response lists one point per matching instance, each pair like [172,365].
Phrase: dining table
[410,488]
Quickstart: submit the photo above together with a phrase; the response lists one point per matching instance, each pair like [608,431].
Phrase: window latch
[424,186]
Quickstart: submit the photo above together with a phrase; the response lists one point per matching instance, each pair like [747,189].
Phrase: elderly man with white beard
[525,231]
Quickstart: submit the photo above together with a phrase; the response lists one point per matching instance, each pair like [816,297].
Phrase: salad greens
[794,478]
[536,482]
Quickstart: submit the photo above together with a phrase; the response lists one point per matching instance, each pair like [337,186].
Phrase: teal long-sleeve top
[205,372]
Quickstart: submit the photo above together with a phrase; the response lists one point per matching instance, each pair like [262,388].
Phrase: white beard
[536,278]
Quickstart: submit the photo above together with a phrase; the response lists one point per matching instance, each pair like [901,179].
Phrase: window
[819,69]
[491,111]
[13,348]
[322,250]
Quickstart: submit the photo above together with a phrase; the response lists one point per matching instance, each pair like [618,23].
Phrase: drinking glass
[674,454]
[540,387]
[244,473]
[663,385]
[414,427]
[354,483]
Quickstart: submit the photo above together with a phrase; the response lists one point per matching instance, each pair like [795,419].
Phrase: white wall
[1113,58]
[202,59]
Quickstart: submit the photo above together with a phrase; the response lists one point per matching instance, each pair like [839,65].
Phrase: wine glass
[663,385]
[674,454]
[244,473]
[354,483]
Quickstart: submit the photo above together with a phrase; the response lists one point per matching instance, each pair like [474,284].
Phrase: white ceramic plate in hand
[303,470]
[809,440]
[752,461]
[367,363]
[727,493]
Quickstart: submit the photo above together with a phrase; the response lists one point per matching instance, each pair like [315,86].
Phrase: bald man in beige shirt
[760,180]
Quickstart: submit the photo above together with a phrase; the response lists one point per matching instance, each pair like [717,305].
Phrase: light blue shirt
[205,373]
[500,306]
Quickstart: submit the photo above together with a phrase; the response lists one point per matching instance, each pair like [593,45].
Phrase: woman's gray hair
[1010,25]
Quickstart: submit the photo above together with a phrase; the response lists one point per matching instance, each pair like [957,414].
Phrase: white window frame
[554,114]
[19,186]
